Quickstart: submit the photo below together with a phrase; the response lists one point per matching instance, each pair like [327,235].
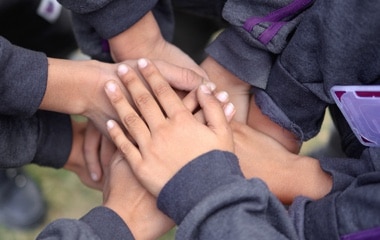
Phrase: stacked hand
[169,135]
[166,136]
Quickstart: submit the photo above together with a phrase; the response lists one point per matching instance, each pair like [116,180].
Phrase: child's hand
[134,204]
[167,135]
[144,39]
[89,147]
[287,175]
[226,81]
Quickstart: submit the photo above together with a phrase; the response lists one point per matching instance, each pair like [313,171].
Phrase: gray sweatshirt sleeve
[23,78]
[209,198]
[100,223]
[26,134]
[350,210]
[44,139]
[258,31]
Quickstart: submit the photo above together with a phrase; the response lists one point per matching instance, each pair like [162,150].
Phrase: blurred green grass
[67,197]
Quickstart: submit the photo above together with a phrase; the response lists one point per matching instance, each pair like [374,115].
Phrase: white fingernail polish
[211,85]
[142,62]
[205,89]
[94,177]
[122,69]
[229,109]
[110,124]
[111,86]
[222,96]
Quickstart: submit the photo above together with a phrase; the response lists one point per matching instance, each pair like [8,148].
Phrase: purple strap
[105,46]
[270,32]
[370,234]
[275,18]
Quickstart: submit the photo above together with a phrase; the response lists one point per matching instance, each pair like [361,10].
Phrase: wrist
[299,176]
[140,40]
[68,85]
[143,218]
[78,126]
[224,79]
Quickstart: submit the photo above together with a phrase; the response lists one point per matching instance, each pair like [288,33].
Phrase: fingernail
[94,177]
[229,109]
[222,96]
[205,89]
[110,124]
[211,85]
[142,62]
[122,69]
[111,87]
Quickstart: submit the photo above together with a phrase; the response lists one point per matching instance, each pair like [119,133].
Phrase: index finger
[167,97]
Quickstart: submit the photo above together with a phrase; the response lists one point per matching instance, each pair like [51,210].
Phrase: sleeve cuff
[116,16]
[107,224]
[183,191]
[54,139]
[234,54]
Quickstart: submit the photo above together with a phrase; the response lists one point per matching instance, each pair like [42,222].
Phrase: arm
[134,34]
[144,39]
[241,49]
[319,183]
[31,81]
[225,204]
[71,87]
[287,175]
[96,23]
[247,110]
[350,209]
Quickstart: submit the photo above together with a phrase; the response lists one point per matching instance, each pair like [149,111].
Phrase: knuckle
[162,89]
[149,71]
[117,98]
[125,148]
[131,120]
[189,76]
[142,100]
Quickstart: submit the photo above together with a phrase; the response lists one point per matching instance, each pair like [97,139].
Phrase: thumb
[217,115]
[180,78]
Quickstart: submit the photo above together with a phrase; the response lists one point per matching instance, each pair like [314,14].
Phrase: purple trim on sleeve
[369,234]
[275,19]
[270,32]
[105,46]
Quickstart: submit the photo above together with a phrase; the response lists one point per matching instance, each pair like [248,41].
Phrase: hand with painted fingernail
[166,133]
